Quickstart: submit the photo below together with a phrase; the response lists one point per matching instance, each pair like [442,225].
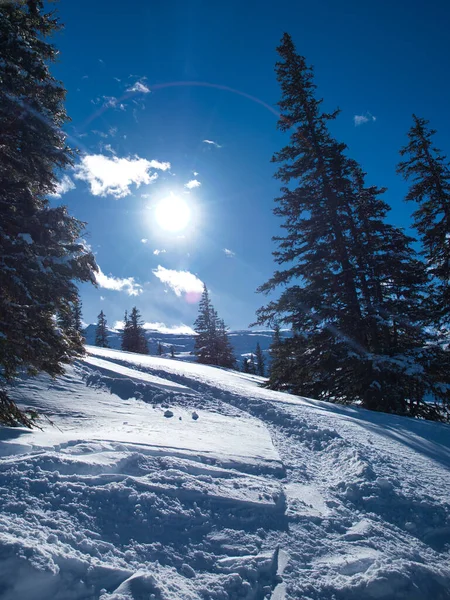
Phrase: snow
[264,495]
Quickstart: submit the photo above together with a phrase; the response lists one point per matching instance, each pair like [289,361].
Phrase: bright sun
[173,213]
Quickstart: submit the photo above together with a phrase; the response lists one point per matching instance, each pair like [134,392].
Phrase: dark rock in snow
[194,415]
[168,414]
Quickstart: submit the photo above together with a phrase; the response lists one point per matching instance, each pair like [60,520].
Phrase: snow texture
[161,479]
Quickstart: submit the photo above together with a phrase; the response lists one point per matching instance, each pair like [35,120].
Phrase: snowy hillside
[162,479]
[243,341]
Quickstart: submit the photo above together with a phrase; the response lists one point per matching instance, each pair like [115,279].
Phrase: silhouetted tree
[429,172]
[42,256]
[212,345]
[101,331]
[352,286]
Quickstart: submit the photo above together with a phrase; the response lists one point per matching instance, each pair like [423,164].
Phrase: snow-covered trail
[238,492]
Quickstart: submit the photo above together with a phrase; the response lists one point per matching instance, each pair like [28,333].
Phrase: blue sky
[148,82]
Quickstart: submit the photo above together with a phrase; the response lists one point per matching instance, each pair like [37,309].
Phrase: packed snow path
[169,480]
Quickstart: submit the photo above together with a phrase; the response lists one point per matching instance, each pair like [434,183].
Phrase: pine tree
[125,342]
[101,332]
[353,287]
[133,334]
[260,361]
[160,350]
[42,255]
[172,352]
[245,366]
[429,172]
[225,354]
[212,345]
[204,326]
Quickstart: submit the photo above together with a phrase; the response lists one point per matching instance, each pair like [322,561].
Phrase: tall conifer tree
[429,173]
[135,334]
[353,288]
[212,344]
[101,332]
[42,255]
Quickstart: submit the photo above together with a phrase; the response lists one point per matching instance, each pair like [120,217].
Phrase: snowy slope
[170,480]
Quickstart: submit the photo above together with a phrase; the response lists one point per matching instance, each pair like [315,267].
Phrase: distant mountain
[243,341]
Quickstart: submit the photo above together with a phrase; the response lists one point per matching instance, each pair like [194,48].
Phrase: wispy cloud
[62,187]
[180,282]
[139,87]
[193,183]
[109,148]
[127,284]
[113,176]
[175,329]
[113,102]
[156,251]
[361,119]
[212,143]
[229,253]
[144,240]
[100,133]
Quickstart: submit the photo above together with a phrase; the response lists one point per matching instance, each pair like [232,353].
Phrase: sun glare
[173,213]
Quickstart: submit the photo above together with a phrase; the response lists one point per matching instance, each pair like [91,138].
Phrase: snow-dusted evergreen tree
[212,345]
[160,350]
[101,331]
[42,255]
[172,352]
[260,361]
[245,366]
[133,335]
[429,171]
[352,286]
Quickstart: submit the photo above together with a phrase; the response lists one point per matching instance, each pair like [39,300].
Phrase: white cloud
[139,87]
[109,148]
[112,102]
[144,240]
[113,176]
[361,119]
[102,298]
[62,187]
[195,173]
[212,143]
[175,329]
[156,251]
[193,183]
[229,253]
[127,284]
[179,281]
